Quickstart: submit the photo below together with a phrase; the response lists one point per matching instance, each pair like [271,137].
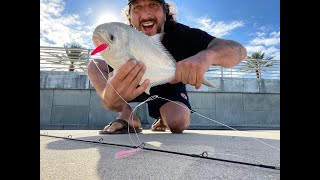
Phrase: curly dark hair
[168,9]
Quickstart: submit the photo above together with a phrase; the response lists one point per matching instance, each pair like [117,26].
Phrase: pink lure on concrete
[127,152]
[99,48]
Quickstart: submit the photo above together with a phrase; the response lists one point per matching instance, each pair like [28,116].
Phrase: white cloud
[269,43]
[251,49]
[51,7]
[272,39]
[271,51]
[277,56]
[88,12]
[217,29]
[260,34]
[57,30]
[43,43]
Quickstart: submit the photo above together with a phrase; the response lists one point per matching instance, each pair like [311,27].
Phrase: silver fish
[125,42]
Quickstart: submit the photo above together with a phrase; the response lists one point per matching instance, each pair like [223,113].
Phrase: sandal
[123,130]
[161,126]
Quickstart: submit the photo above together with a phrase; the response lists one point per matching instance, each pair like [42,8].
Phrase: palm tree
[257,61]
[74,52]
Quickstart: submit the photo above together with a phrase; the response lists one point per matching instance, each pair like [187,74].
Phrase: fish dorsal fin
[156,40]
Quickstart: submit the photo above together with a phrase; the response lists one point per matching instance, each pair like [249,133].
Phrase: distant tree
[257,61]
[74,52]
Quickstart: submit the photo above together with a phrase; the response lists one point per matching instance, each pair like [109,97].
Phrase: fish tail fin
[208,83]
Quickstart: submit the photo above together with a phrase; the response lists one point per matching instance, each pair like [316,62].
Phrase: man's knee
[178,124]
[94,64]
[97,67]
[91,66]
[176,117]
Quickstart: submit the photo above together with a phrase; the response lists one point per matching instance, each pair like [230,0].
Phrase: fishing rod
[203,155]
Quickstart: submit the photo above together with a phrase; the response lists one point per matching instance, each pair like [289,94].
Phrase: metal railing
[76,59]
[249,68]
[64,59]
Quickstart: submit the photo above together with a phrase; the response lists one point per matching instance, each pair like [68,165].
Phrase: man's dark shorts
[174,92]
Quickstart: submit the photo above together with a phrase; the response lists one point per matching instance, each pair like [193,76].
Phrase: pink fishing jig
[99,48]
[127,152]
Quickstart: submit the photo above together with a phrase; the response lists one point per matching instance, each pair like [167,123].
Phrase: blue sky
[253,23]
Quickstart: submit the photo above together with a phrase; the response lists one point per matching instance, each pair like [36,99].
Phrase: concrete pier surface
[69,159]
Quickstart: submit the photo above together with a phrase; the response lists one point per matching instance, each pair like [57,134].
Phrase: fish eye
[111,37]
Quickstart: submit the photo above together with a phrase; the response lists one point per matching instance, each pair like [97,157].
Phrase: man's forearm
[225,53]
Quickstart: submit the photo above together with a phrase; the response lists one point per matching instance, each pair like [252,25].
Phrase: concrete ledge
[80,80]
[67,101]
[240,85]
[63,80]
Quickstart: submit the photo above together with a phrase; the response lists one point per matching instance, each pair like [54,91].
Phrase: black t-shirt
[182,41]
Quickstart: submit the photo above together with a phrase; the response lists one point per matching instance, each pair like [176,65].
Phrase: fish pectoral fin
[156,40]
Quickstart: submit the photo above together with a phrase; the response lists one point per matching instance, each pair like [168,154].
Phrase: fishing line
[164,151]
[131,116]
[219,123]
[107,81]
[156,96]
[189,110]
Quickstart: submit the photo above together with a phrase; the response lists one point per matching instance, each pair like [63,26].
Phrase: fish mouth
[100,44]
[98,40]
